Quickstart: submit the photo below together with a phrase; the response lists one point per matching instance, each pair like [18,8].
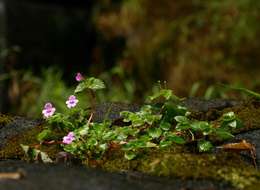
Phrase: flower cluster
[69,138]
[72,101]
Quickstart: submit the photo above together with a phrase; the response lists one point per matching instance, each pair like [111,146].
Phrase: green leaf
[83,131]
[165,126]
[128,146]
[223,134]
[90,83]
[244,90]
[200,126]
[181,119]
[204,146]
[230,116]
[45,158]
[110,135]
[25,148]
[30,153]
[230,120]
[165,143]
[35,154]
[165,94]
[92,142]
[151,145]
[134,118]
[182,127]
[130,155]
[176,139]
[45,134]
[103,147]
[150,119]
[170,110]
[155,132]
[60,119]
[233,124]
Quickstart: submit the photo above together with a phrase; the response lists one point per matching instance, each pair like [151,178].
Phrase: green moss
[227,167]
[13,150]
[249,113]
[5,119]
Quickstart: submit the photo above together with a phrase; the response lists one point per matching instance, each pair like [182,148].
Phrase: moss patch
[13,150]
[249,113]
[227,167]
[4,120]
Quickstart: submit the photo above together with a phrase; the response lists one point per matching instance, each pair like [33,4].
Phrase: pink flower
[48,110]
[79,77]
[72,101]
[69,138]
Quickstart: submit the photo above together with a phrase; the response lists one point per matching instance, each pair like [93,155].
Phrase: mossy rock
[180,162]
[176,163]
[16,131]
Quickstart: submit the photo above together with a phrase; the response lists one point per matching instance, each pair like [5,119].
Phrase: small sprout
[164,94]
[48,110]
[230,120]
[130,155]
[205,146]
[36,155]
[90,83]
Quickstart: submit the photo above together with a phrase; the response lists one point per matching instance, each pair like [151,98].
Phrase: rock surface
[17,126]
[54,177]
[79,177]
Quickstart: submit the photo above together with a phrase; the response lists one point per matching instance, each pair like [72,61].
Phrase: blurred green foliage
[51,87]
[185,42]
[194,45]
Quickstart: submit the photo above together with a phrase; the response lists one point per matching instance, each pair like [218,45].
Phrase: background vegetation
[193,45]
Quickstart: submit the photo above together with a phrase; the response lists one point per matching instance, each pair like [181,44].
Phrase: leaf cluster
[161,123]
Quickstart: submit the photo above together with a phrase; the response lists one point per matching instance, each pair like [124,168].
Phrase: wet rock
[111,110]
[201,105]
[251,137]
